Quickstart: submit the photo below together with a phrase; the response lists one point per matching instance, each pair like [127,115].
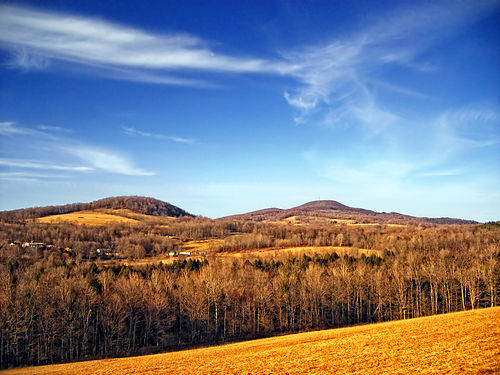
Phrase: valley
[130,276]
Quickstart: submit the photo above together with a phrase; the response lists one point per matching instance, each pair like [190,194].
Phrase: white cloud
[54,129]
[9,128]
[46,35]
[467,128]
[35,164]
[96,159]
[22,59]
[181,140]
[338,75]
[444,173]
[105,160]
[135,132]
[29,176]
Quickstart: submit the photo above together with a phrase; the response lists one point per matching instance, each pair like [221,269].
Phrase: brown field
[306,220]
[304,250]
[276,253]
[457,343]
[87,218]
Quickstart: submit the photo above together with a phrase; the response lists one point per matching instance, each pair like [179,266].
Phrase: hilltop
[329,210]
[135,204]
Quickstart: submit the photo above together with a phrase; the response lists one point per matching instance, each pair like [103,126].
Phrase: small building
[37,245]
[104,253]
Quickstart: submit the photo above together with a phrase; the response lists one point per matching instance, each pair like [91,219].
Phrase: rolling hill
[92,217]
[135,204]
[316,212]
[328,211]
[465,342]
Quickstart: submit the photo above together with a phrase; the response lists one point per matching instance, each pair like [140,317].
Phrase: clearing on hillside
[457,343]
[302,250]
[86,218]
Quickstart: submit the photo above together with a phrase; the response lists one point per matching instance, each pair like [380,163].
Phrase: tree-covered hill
[329,209]
[140,205]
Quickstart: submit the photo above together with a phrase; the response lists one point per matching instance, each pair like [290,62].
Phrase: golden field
[306,250]
[266,253]
[87,218]
[307,220]
[457,343]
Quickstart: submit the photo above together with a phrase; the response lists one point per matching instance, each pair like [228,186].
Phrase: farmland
[456,343]
[87,218]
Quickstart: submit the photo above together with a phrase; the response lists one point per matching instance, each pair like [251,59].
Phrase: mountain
[328,210]
[140,205]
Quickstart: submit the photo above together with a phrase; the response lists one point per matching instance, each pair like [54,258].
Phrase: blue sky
[230,106]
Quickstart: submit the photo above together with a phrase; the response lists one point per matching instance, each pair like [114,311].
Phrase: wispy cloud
[444,173]
[22,59]
[466,128]
[105,160]
[54,129]
[29,176]
[52,137]
[35,164]
[338,76]
[10,128]
[131,131]
[43,35]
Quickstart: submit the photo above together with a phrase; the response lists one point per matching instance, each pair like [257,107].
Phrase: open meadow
[456,343]
[86,218]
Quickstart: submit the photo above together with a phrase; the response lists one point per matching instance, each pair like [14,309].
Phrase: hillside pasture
[87,218]
[320,220]
[303,250]
[456,343]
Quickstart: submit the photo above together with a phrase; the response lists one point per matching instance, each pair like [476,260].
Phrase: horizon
[248,212]
[241,106]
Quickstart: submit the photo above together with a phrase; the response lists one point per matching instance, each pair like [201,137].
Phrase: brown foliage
[56,307]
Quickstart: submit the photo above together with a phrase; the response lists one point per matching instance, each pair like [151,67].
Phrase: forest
[58,306]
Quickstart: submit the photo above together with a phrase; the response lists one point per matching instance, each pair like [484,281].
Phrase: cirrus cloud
[37,36]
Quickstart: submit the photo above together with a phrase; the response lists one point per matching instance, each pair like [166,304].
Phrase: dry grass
[140,217]
[303,250]
[205,245]
[457,343]
[318,220]
[87,218]
[202,245]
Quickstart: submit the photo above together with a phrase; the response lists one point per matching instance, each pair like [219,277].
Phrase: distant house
[37,245]
[104,253]
[172,254]
[185,253]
